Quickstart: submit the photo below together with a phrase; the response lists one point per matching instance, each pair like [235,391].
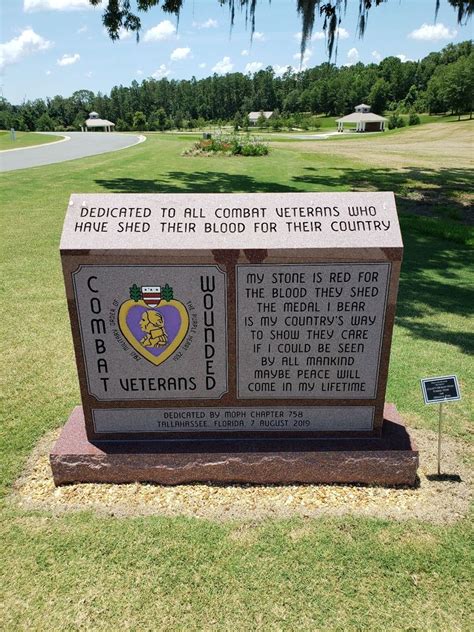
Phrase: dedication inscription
[232,315]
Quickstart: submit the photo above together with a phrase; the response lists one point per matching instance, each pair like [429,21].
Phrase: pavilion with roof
[96,124]
[364,119]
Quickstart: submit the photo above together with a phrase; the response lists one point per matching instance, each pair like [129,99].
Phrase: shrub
[230,145]
[253,148]
[396,120]
[414,119]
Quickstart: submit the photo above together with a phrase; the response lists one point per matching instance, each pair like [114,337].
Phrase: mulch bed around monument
[433,500]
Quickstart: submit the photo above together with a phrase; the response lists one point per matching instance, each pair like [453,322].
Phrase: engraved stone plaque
[283,419]
[153,332]
[235,316]
[310,331]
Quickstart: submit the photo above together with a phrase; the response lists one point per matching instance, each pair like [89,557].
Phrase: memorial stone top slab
[232,315]
[230,221]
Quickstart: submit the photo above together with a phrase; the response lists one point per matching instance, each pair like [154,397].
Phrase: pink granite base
[391,459]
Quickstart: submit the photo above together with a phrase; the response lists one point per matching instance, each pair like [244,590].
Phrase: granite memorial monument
[233,338]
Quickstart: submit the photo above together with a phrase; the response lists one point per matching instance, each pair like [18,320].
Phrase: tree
[79,121]
[139,121]
[178,120]
[378,96]
[83,99]
[261,121]
[411,97]
[275,121]
[118,14]
[45,123]
[396,120]
[158,120]
[237,121]
[458,85]
[292,101]
[435,96]
[438,83]
[121,126]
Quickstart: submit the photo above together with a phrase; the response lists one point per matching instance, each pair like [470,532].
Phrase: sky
[51,47]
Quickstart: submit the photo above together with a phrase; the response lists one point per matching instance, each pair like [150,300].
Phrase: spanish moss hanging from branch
[119,14]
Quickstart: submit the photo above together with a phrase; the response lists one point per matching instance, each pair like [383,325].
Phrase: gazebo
[365,120]
[96,124]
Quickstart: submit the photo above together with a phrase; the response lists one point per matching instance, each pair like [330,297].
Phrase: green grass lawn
[24,139]
[74,571]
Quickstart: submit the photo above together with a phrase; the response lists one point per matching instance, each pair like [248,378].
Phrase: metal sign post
[438,390]
[439,437]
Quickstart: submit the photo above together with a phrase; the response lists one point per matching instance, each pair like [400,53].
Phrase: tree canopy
[119,14]
[441,82]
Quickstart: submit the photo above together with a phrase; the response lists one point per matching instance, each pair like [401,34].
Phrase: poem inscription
[310,331]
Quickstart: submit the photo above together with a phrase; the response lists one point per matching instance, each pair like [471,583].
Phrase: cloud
[89,74]
[82,29]
[280,70]
[223,66]
[27,43]
[68,60]
[48,72]
[244,53]
[352,57]
[341,33]
[139,72]
[253,66]
[208,24]
[376,55]
[402,57]
[258,37]
[124,34]
[162,72]
[202,65]
[54,5]
[180,53]
[306,57]
[433,32]
[162,31]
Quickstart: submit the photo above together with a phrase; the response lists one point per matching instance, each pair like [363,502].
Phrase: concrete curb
[55,142]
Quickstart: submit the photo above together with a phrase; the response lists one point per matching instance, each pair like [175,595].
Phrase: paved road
[321,136]
[78,145]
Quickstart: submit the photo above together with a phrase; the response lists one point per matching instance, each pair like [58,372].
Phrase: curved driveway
[78,145]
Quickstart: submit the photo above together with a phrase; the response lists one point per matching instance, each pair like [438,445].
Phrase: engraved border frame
[164,433]
[79,319]
[344,396]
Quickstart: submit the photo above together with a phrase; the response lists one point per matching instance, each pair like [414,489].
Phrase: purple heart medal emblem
[153,322]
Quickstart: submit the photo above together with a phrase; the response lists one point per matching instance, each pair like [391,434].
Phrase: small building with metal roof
[255,116]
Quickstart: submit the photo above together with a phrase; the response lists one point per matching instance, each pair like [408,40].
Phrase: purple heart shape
[171,318]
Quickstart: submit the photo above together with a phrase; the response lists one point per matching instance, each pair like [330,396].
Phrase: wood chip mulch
[433,500]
